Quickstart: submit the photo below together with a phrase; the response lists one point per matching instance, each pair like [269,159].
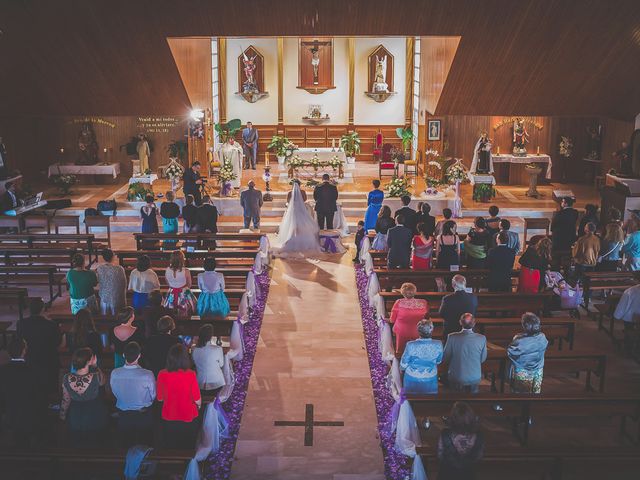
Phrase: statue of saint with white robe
[231,152]
[144,152]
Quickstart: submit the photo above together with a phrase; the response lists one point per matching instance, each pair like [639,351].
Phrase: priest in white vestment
[231,152]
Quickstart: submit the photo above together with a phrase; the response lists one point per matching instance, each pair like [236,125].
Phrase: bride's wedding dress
[299,232]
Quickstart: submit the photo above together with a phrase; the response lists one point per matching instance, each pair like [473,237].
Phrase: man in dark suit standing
[454,305]
[409,214]
[207,216]
[399,243]
[326,197]
[192,182]
[563,226]
[9,199]
[500,264]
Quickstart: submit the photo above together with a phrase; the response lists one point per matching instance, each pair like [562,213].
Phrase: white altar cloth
[112,169]
[480,178]
[144,179]
[530,158]
[324,154]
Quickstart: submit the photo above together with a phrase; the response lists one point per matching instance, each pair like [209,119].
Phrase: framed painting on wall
[434,131]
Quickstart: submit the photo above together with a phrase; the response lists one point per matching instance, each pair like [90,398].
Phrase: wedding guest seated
[178,390]
[84,334]
[207,216]
[189,215]
[500,264]
[399,243]
[534,264]
[631,248]
[610,247]
[142,281]
[422,248]
[513,241]
[179,296]
[476,244]
[153,312]
[460,445]
[590,216]
[447,246]
[493,222]
[81,284]
[112,284]
[158,345]
[628,310]
[209,360]
[464,353]
[123,333]
[212,301]
[446,214]
[405,315]
[409,215]
[420,362]
[526,354]
[454,305]
[423,216]
[135,390]
[21,396]
[82,407]
[359,237]
[383,224]
[43,338]
[586,250]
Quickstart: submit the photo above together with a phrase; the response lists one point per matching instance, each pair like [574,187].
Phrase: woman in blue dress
[420,362]
[212,301]
[149,213]
[374,202]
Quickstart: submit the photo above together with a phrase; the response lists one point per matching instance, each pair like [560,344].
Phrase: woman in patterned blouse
[420,361]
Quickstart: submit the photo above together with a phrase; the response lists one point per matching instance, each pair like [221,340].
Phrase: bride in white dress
[299,232]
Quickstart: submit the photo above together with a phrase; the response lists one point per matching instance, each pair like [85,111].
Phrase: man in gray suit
[465,352]
[251,202]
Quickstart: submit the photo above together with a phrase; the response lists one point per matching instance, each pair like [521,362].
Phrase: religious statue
[231,153]
[87,145]
[482,162]
[315,63]
[249,66]
[144,152]
[380,77]
[520,138]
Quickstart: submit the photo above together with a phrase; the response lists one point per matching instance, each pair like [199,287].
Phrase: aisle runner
[219,465]
[395,464]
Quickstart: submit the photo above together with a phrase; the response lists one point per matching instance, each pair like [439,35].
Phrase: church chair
[378,143]
[536,224]
[411,166]
[99,221]
[214,165]
[72,221]
[386,163]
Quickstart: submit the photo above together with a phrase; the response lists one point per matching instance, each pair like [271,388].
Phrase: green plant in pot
[228,130]
[406,135]
[483,192]
[138,192]
[64,183]
[350,143]
[279,145]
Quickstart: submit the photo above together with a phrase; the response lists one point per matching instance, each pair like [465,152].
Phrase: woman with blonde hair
[178,277]
[405,315]
[534,263]
[611,245]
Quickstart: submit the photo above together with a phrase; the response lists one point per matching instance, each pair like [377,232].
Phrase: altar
[112,169]
[512,168]
[324,154]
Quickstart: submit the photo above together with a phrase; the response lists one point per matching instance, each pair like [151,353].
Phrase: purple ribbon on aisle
[329,245]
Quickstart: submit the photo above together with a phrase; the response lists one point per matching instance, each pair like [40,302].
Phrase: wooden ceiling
[531,57]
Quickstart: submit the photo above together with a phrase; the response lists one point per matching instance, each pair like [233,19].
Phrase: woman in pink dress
[405,315]
[422,248]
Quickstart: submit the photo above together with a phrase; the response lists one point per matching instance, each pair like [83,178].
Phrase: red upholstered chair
[378,142]
[387,166]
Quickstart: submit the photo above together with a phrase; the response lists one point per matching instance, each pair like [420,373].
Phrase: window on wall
[416,96]
[215,101]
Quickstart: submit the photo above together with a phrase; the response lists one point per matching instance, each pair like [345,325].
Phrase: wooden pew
[519,408]
[31,275]
[488,303]
[14,297]
[84,242]
[234,276]
[60,257]
[425,280]
[201,241]
[160,258]
[595,281]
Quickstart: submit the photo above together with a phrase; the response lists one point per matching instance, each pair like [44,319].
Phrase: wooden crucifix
[316,64]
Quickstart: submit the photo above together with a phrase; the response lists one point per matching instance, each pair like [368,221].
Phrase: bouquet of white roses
[398,187]
[456,172]
[174,170]
[226,173]
[335,162]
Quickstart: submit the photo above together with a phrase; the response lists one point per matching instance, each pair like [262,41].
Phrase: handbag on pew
[107,206]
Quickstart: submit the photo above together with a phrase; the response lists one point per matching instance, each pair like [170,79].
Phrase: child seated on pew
[212,301]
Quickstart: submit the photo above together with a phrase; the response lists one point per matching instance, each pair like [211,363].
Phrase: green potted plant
[64,183]
[483,192]
[350,143]
[406,135]
[278,145]
[227,130]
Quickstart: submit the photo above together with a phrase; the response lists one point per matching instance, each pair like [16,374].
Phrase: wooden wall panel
[615,132]
[193,59]
[436,57]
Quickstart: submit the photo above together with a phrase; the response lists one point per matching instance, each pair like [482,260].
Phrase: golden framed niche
[251,75]
[380,68]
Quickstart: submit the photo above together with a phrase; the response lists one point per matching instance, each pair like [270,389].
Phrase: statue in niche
[315,62]
[380,79]
[520,137]
[87,145]
[249,66]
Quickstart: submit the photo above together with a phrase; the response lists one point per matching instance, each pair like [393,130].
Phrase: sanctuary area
[344,240]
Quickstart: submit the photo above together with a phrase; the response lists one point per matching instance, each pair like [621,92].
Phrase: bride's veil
[298,230]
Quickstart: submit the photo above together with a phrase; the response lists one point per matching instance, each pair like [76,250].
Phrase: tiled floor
[311,351]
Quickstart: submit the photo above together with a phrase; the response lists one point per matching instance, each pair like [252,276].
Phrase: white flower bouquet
[398,187]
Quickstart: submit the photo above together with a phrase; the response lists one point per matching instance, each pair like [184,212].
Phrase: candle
[61,149]
[498,150]
[266,159]
[538,150]
[105,149]
[333,143]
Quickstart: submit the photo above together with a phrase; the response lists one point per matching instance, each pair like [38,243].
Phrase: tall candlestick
[538,150]
[498,150]
[266,159]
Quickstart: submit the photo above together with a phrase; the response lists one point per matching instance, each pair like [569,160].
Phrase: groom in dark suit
[326,196]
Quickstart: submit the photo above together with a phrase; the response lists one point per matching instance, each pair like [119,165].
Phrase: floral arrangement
[566,147]
[396,154]
[456,172]
[483,192]
[138,191]
[335,162]
[296,162]
[398,187]
[174,170]
[226,173]
[279,144]
[64,182]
